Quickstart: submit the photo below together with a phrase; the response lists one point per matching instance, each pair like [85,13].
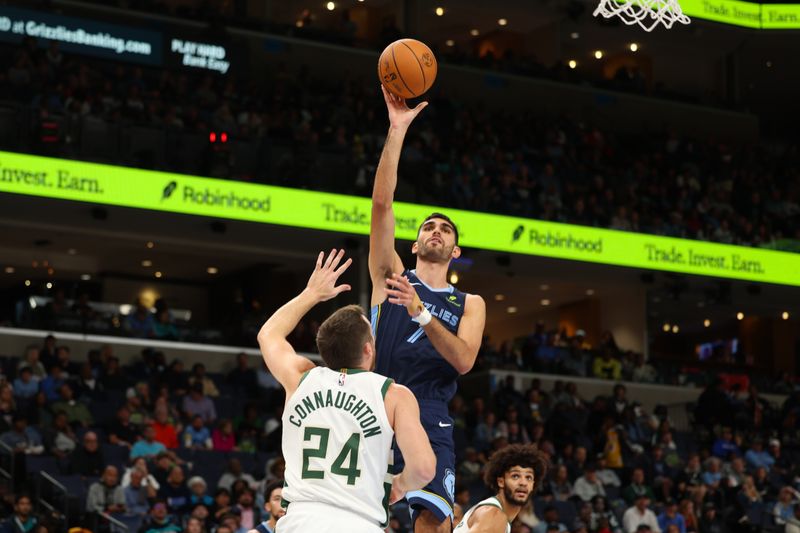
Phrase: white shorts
[314,517]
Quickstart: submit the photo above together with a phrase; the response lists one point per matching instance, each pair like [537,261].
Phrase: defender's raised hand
[322,283]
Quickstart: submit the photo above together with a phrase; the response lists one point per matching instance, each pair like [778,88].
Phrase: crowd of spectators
[150,445]
[160,448]
[324,134]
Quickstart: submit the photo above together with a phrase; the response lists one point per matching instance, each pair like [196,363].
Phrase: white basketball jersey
[337,443]
[463,526]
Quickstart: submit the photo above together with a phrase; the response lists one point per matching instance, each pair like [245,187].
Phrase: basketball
[407,68]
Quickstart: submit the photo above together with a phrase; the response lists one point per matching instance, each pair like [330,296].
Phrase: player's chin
[520,499]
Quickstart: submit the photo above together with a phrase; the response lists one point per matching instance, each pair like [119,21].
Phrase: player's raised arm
[420,461]
[281,359]
[383,259]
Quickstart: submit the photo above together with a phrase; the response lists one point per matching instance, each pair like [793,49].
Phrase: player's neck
[272,522]
[434,275]
[510,509]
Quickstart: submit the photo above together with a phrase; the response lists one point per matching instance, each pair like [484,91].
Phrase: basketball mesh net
[646,13]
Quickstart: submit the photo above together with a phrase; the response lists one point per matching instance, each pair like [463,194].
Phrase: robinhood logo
[216,197]
[558,240]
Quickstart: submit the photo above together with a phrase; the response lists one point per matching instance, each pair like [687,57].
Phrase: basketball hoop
[646,13]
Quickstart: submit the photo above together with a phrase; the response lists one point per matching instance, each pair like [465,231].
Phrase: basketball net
[646,13]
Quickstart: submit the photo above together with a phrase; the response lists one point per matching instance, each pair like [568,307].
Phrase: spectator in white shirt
[588,485]
[638,514]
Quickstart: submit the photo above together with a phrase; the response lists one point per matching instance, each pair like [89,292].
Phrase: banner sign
[177,193]
[82,36]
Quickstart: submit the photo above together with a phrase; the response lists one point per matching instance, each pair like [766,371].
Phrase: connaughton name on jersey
[340,400]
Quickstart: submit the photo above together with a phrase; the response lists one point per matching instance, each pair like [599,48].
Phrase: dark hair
[271,488]
[503,460]
[342,336]
[443,217]
[22,495]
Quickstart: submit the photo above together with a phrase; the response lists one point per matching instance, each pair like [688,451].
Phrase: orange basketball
[407,68]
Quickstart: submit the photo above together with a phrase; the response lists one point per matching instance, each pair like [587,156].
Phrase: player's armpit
[487,519]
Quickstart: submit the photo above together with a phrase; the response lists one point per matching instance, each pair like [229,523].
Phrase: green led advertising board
[177,193]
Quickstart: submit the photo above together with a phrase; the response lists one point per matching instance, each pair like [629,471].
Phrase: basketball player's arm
[420,461]
[487,519]
[383,259]
[281,359]
[459,350]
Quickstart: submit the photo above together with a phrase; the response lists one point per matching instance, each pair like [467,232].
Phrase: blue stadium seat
[116,455]
[41,463]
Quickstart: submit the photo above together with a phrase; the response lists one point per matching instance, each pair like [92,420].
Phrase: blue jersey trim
[433,502]
[374,315]
[449,288]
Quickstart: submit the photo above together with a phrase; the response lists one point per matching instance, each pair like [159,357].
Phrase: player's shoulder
[474,301]
[398,393]
[489,517]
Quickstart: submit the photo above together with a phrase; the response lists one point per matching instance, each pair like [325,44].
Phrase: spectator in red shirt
[223,437]
[165,431]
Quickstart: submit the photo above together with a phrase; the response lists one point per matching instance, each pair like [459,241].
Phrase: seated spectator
[469,470]
[243,378]
[106,495]
[175,492]
[222,503]
[234,473]
[140,322]
[196,436]
[643,372]
[748,496]
[223,437]
[198,489]
[163,327]
[233,522]
[77,412]
[199,376]
[160,521]
[140,463]
[757,456]
[686,509]
[195,525]
[148,446]
[26,386]
[22,520]
[606,475]
[175,377]
[602,517]
[69,369]
[164,430]
[273,508]
[550,521]
[577,464]
[138,493]
[710,522]
[31,360]
[559,486]
[734,472]
[121,432]
[639,515]
[52,383]
[112,377]
[725,446]
[87,387]
[788,498]
[245,505]
[637,488]
[661,473]
[22,438]
[61,439]
[713,474]
[588,485]
[792,525]
[195,403]
[607,366]
[88,460]
[670,516]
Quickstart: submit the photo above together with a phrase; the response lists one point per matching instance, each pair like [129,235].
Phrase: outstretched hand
[322,283]
[400,115]
[402,292]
